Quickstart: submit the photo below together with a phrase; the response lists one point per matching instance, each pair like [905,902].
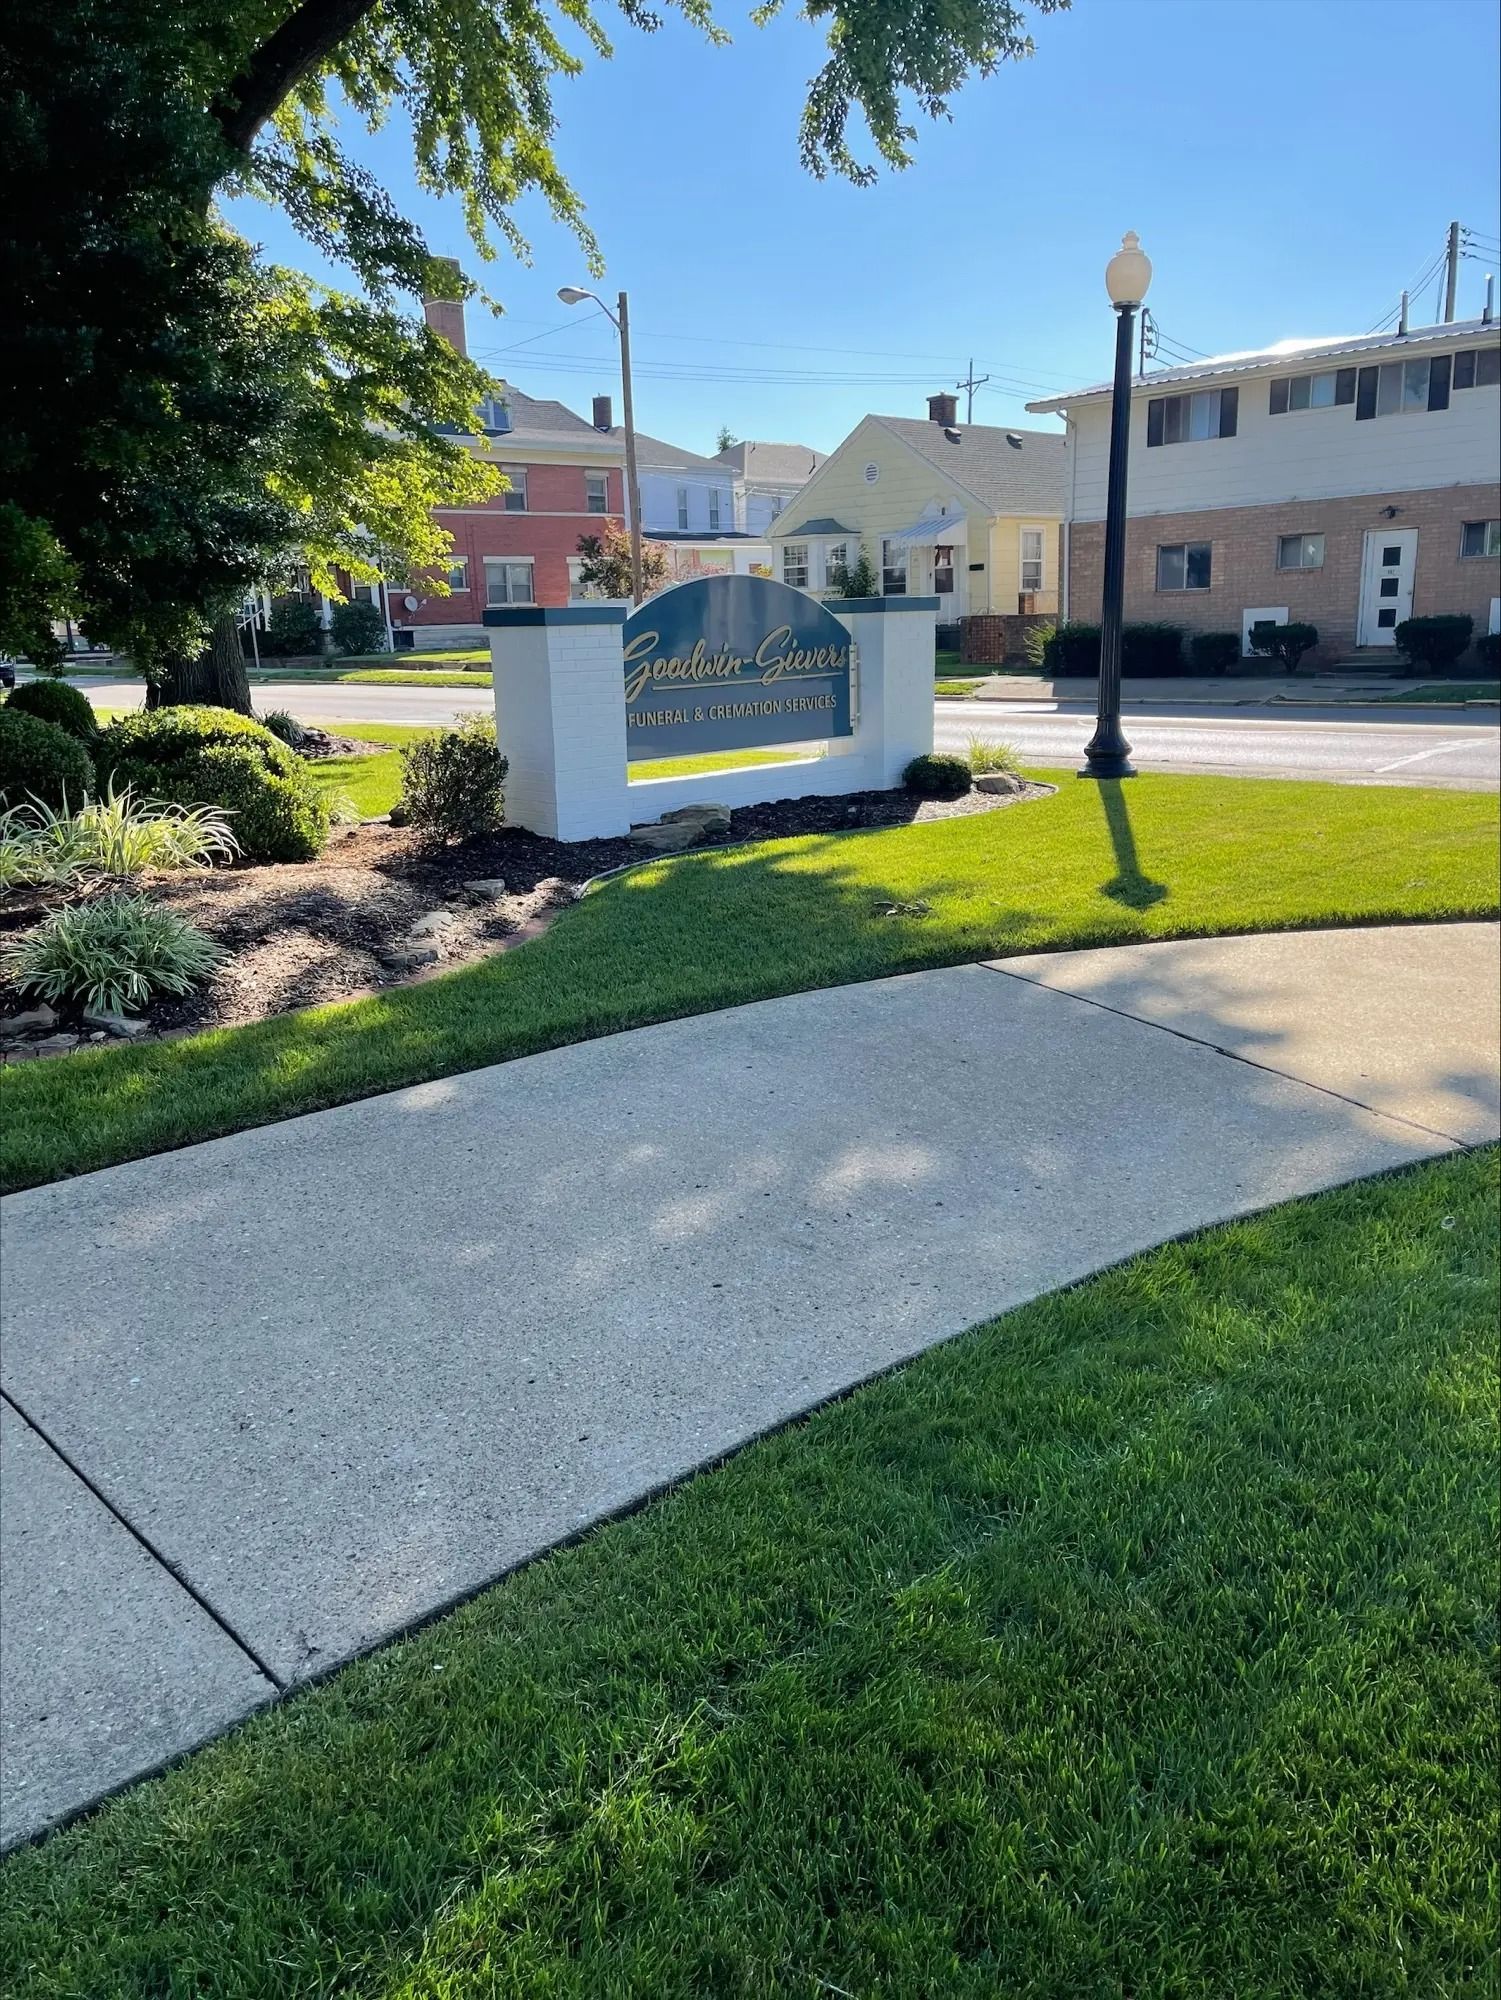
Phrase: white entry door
[1391,558]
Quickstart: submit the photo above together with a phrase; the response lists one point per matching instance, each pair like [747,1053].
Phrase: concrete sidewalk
[277,1396]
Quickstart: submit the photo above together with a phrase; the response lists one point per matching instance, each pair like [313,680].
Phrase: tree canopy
[182,418]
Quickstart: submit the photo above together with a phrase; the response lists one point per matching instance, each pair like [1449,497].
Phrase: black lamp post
[1127,277]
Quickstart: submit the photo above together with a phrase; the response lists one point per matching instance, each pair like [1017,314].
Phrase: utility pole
[1148,326]
[1451,272]
[628,411]
[971,382]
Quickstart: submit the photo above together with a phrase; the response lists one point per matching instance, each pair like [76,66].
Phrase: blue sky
[1289,164]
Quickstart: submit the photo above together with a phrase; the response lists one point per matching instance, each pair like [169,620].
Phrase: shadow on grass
[1130,886]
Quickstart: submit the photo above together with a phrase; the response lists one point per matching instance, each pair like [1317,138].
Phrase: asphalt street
[1458,748]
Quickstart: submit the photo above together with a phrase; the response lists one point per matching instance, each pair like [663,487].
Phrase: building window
[597,492]
[893,570]
[508,582]
[458,573]
[1031,576]
[795,564]
[363,593]
[1401,388]
[1183,566]
[682,507]
[579,591]
[515,495]
[1313,392]
[943,571]
[1477,368]
[1480,538]
[714,508]
[836,561]
[1300,552]
[1207,413]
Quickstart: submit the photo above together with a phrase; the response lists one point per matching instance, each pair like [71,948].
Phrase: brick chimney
[604,417]
[443,309]
[943,409]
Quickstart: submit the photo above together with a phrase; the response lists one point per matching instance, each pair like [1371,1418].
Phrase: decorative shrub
[358,628]
[1287,643]
[294,628]
[1035,642]
[55,702]
[285,728]
[1434,643]
[1151,649]
[110,954]
[40,761]
[859,578]
[110,837]
[937,777]
[1072,648]
[1488,653]
[211,756]
[982,756]
[451,782]
[1214,652]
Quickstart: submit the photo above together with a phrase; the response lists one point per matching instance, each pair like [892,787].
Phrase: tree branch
[308,35]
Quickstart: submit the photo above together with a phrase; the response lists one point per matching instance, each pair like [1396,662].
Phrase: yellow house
[971,513]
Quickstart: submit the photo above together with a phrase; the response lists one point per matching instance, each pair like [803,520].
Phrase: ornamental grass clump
[983,757]
[115,837]
[110,955]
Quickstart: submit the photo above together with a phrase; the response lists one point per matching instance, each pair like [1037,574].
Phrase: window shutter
[1438,382]
[1154,420]
[1365,394]
[1229,411]
[1344,385]
[1464,369]
[1278,404]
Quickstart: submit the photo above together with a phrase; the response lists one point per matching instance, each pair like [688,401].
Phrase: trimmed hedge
[1074,648]
[937,777]
[214,757]
[1214,652]
[357,627]
[56,702]
[1435,643]
[1287,643]
[40,761]
[1488,652]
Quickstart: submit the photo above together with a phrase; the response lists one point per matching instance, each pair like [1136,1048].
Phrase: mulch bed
[312,932]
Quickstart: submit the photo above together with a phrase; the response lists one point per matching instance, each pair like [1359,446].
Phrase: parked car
[7,674]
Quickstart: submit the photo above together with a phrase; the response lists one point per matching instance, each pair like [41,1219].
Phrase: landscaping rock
[126,1026]
[668,839]
[406,957]
[433,924]
[489,889]
[35,1021]
[999,781]
[398,816]
[54,1045]
[711,818]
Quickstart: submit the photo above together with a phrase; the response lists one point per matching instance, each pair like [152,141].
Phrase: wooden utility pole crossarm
[308,35]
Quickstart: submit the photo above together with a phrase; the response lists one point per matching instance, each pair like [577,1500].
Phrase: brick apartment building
[1346,483]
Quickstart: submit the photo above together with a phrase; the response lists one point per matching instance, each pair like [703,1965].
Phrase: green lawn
[1447,691]
[1161,856]
[1140,1642]
[954,690]
[721,760]
[368,677]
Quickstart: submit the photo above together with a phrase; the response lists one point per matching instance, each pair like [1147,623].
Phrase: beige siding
[1006,561]
[907,488]
[1302,454]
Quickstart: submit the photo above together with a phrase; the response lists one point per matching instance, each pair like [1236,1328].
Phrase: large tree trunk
[216,677]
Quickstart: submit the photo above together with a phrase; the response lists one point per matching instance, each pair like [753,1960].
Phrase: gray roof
[656,451]
[1021,478]
[824,525]
[540,417]
[1285,354]
[781,464]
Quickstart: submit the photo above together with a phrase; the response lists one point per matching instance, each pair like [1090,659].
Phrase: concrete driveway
[275,1397]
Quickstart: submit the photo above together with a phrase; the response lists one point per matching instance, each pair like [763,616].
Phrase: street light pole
[573,295]
[1109,754]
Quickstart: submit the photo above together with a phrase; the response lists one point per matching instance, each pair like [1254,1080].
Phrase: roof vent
[951,434]
[1013,440]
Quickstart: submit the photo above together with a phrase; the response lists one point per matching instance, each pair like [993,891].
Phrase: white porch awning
[932,531]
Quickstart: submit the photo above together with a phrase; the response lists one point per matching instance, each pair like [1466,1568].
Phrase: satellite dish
[410,602]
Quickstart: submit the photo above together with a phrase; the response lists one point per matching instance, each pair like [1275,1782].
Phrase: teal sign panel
[733,663]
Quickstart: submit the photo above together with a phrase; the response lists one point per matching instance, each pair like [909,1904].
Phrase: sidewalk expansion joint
[144,1541]
[1234,1055]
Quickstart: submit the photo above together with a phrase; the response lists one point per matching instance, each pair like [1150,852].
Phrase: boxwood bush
[358,628]
[213,757]
[40,761]
[1488,652]
[54,701]
[451,782]
[1074,648]
[1434,643]
[1287,643]
[937,777]
[1214,652]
